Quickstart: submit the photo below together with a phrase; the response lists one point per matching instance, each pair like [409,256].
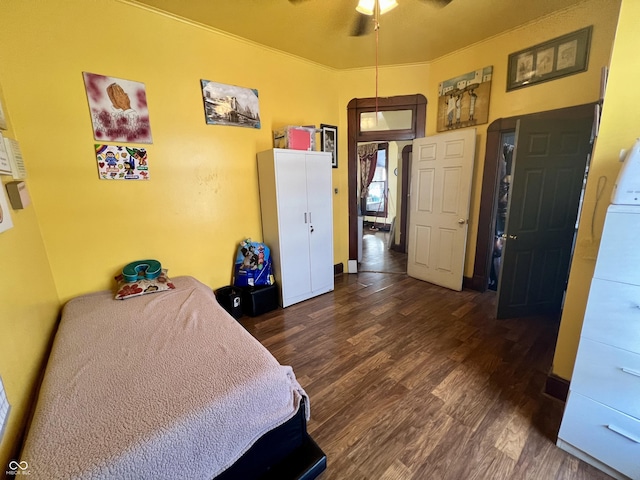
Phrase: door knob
[461,221]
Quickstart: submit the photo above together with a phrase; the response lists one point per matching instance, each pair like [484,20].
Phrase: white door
[293,224]
[441,173]
[320,201]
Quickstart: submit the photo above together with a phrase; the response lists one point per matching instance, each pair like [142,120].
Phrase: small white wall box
[18,195]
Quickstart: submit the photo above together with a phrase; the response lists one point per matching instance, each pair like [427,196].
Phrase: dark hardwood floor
[411,381]
[376,256]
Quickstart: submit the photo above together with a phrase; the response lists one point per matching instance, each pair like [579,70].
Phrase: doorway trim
[404,221]
[416,103]
[490,179]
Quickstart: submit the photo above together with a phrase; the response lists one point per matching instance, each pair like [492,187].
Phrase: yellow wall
[28,309]
[620,126]
[202,198]
[203,194]
[572,90]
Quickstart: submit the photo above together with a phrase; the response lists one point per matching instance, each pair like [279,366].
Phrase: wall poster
[5,216]
[122,163]
[230,105]
[463,101]
[119,110]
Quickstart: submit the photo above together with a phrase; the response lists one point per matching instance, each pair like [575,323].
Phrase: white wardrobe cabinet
[297,220]
[601,422]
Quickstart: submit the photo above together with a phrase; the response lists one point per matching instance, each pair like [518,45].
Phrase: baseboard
[467,283]
[557,387]
[338,269]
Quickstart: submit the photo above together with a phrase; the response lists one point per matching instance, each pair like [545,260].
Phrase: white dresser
[601,422]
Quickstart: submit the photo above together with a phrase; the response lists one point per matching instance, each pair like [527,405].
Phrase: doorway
[391,119]
[537,285]
[382,206]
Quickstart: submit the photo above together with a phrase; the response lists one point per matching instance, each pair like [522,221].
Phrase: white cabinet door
[293,225]
[320,205]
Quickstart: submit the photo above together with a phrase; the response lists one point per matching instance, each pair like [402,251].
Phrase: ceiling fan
[368,11]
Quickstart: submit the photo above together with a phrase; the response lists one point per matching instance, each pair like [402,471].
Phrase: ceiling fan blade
[438,3]
[361,25]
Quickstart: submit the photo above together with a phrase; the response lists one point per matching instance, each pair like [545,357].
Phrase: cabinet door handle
[305,217]
[310,218]
[631,372]
[621,432]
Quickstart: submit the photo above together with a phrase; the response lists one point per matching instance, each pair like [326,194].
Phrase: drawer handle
[631,372]
[623,433]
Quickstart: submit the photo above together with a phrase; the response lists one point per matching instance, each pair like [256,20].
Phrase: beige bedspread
[166,385]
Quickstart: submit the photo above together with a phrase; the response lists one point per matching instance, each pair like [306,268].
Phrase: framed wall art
[329,140]
[3,118]
[550,60]
[230,105]
[119,111]
[5,216]
[119,162]
[463,101]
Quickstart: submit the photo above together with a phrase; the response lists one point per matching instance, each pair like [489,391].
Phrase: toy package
[253,265]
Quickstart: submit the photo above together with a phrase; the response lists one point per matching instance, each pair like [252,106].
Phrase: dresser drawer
[603,433]
[609,375]
[613,314]
[619,255]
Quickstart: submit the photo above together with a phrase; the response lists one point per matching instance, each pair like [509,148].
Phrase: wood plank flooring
[410,381]
[376,256]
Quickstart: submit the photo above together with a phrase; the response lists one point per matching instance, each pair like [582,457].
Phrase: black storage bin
[230,298]
[259,300]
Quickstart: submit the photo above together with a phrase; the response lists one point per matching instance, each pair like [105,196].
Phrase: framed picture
[463,101]
[119,111]
[550,60]
[3,119]
[230,105]
[5,216]
[329,139]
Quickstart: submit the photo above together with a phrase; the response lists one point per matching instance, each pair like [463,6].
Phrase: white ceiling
[319,30]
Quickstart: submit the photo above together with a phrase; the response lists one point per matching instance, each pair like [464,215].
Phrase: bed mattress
[158,386]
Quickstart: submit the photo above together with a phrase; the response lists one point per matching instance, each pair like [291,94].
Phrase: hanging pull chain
[376,27]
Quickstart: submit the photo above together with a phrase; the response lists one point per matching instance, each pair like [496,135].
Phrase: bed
[162,386]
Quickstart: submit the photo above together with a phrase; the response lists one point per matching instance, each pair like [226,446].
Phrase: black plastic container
[259,300]
[230,298]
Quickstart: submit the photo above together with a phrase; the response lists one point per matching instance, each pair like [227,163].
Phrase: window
[388,120]
[378,189]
